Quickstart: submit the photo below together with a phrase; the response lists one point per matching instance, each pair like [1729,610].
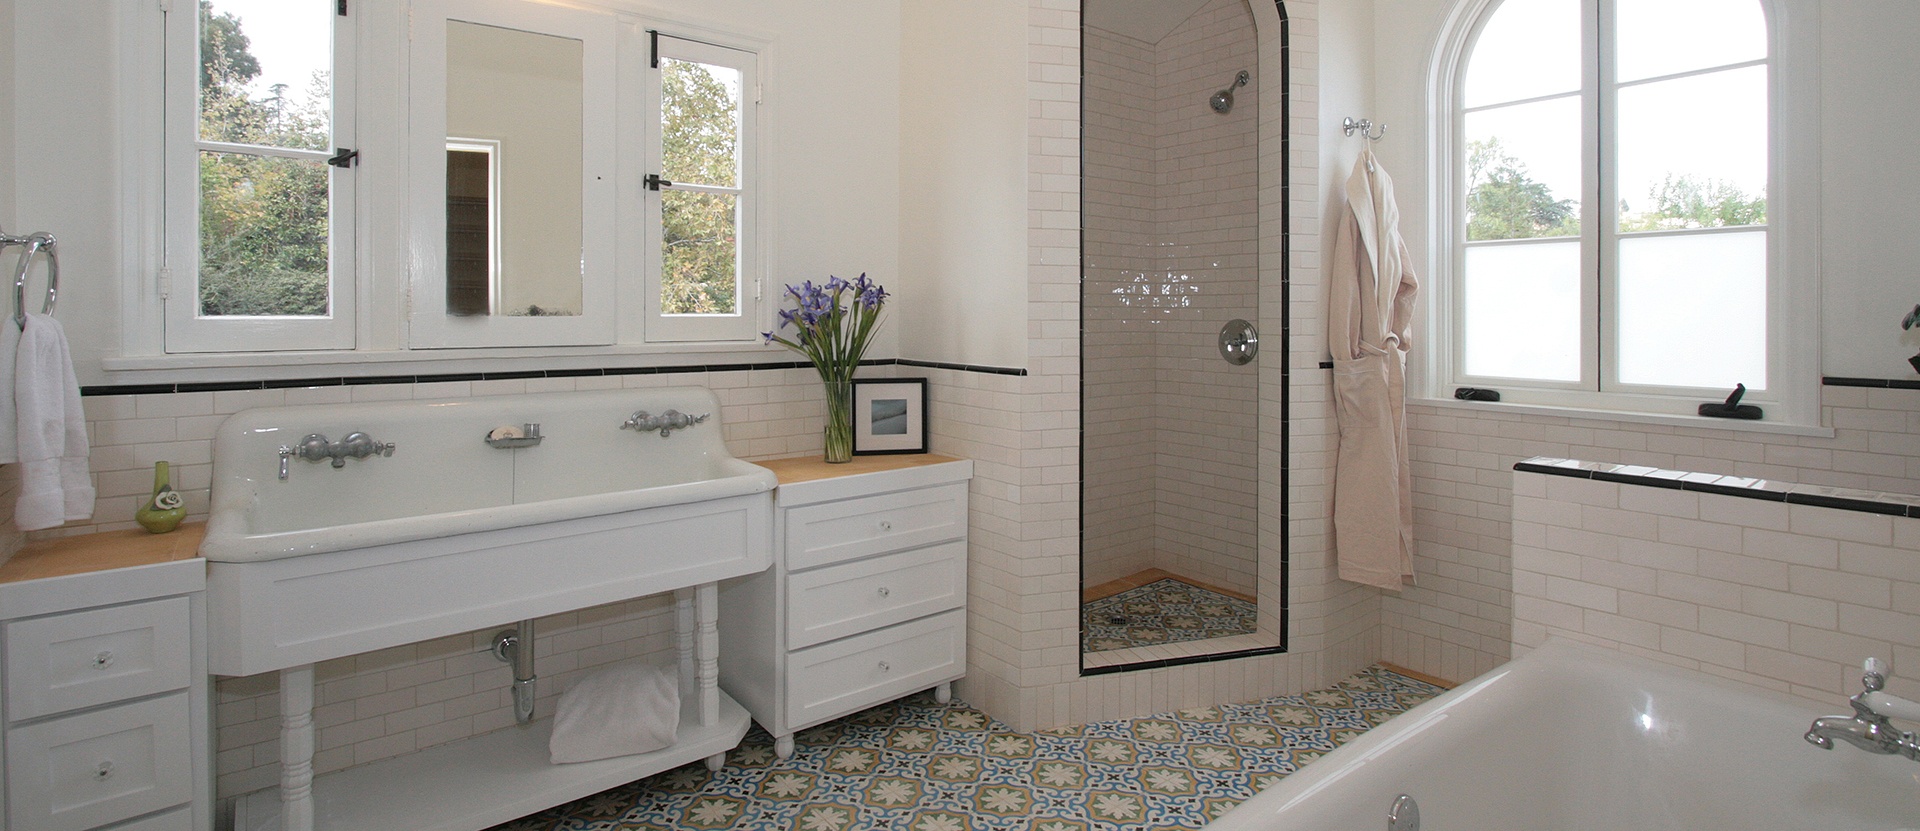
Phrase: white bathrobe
[1369,307]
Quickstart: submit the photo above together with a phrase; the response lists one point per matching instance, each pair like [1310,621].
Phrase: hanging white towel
[9,419]
[54,485]
[1369,310]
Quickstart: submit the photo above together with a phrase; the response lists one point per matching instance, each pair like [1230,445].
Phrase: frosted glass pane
[1674,175]
[1662,37]
[1693,310]
[1522,315]
[1523,170]
[1529,48]
[266,72]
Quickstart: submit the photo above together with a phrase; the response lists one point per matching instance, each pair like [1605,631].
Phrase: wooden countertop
[64,556]
[810,468]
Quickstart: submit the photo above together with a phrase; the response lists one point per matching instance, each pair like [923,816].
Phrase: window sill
[1664,419]
[252,366]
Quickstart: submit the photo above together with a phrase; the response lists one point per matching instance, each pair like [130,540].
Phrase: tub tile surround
[1454,622]
[1786,588]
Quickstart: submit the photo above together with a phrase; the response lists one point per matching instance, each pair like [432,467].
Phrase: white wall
[1871,215]
[963,181]
[832,80]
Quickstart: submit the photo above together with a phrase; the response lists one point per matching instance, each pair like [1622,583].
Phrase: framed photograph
[889,416]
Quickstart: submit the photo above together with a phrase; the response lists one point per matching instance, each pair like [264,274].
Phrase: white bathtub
[1575,738]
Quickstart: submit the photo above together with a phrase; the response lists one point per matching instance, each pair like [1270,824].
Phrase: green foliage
[263,219]
[222,43]
[1504,202]
[700,130]
[1687,202]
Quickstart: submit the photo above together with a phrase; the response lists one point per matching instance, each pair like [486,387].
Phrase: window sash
[748,319]
[185,330]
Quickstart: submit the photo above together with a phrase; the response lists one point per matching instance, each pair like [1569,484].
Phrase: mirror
[515,115]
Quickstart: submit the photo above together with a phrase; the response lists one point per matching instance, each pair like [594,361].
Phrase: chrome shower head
[1222,101]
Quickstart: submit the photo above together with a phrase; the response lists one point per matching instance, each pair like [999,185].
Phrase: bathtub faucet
[316,448]
[1870,728]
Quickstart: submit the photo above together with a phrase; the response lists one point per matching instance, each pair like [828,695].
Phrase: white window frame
[749,318]
[185,330]
[1793,280]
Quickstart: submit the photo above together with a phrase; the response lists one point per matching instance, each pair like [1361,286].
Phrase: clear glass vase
[839,421]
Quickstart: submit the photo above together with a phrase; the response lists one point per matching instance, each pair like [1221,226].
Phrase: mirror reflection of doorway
[1171,249]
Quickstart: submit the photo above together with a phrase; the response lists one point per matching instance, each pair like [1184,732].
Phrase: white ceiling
[1146,20]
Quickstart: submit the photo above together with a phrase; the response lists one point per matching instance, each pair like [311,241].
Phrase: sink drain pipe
[515,646]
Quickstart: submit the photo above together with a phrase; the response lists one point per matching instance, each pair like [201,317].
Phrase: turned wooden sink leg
[717,761]
[296,748]
[943,693]
[683,641]
[783,746]
[707,651]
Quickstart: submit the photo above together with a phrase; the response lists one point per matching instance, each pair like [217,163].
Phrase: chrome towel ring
[32,244]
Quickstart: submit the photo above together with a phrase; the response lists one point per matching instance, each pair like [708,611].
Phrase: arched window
[1605,232]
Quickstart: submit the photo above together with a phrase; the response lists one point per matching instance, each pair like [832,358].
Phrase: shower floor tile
[917,765]
[1162,612]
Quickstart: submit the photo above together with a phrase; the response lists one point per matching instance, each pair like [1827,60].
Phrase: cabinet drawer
[84,659]
[834,679]
[176,820]
[87,770]
[850,598]
[834,532]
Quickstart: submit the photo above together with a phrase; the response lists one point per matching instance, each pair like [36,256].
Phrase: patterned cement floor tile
[1162,612]
[922,766]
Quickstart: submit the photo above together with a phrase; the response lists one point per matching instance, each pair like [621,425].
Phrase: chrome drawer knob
[103,660]
[103,772]
[884,667]
[886,525]
[884,591]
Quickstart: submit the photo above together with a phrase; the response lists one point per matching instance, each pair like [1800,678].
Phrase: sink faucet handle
[1873,674]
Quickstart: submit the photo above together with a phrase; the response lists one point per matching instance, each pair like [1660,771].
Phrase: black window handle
[654,182]
[342,157]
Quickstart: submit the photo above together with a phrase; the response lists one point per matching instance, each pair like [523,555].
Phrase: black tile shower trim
[1874,383]
[1845,499]
[365,380]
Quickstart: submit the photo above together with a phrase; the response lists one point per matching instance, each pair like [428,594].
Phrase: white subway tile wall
[1454,622]
[1698,580]
[1172,253]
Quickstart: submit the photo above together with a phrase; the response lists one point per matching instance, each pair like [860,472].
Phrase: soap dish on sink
[511,437]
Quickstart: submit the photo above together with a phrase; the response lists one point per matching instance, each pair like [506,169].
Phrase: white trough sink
[450,534]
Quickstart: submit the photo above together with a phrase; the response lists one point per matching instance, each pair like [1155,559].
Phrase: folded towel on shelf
[52,437]
[627,708]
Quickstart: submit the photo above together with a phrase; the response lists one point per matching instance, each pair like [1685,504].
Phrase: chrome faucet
[1870,727]
[666,422]
[316,448]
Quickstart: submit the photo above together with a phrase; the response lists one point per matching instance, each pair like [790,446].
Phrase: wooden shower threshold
[1153,575]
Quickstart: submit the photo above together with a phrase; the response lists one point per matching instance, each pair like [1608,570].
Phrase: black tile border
[1872,383]
[1820,496]
[367,380]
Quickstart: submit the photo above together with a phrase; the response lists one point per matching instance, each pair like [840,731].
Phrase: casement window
[703,280]
[1609,210]
[259,196]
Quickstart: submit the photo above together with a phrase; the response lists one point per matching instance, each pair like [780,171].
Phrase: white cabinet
[866,600]
[106,717]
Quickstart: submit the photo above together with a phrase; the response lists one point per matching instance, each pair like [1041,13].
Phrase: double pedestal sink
[453,533]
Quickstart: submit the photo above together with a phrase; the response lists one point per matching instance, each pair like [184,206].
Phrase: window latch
[654,182]
[344,158]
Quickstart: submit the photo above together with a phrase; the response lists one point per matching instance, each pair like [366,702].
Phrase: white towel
[54,485]
[9,422]
[627,708]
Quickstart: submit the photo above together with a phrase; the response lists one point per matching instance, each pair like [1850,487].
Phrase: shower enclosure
[1171,296]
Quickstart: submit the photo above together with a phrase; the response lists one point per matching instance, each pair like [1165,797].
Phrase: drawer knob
[886,525]
[103,772]
[103,660]
[884,667]
[884,591]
